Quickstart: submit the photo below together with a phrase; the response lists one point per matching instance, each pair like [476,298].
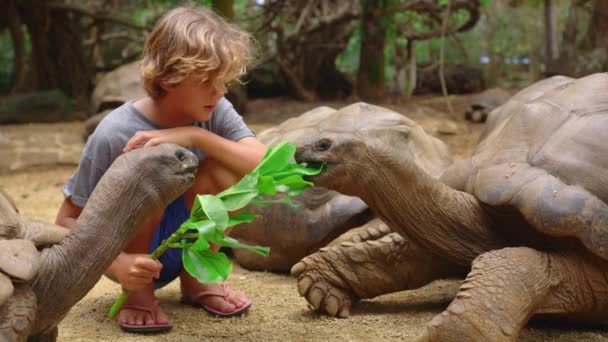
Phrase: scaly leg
[333,278]
[506,287]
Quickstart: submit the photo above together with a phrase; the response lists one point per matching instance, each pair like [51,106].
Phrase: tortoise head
[151,176]
[360,138]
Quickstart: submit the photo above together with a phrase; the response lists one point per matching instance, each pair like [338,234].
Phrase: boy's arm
[240,157]
[68,213]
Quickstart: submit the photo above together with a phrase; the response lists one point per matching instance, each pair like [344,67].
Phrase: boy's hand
[183,136]
[134,271]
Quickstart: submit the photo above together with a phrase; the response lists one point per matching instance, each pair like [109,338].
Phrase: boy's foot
[141,313]
[217,299]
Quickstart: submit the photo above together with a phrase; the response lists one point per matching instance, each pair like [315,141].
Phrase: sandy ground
[278,312]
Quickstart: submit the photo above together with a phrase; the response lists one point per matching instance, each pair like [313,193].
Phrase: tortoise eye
[323,145]
[181,156]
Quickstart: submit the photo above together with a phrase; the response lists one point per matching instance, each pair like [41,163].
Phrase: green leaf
[294,181]
[267,186]
[204,231]
[239,195]
[247,183]
[239,200]
[206,266]
[297,169]
[263,202]
[276,158]
[227,241]
[214,208]
[243,217]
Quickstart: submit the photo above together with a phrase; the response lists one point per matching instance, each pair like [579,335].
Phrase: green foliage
[503,33]
[7,70]
[209,217]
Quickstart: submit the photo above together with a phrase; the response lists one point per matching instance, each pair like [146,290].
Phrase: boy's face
[196,100]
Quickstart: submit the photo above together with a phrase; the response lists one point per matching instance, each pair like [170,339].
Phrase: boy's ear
[167,86]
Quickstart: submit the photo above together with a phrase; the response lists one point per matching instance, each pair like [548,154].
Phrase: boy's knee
[213,177]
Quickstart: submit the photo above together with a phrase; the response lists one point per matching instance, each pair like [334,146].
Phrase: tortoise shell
[544,152]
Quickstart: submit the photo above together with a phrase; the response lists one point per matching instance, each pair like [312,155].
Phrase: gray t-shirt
[115,130]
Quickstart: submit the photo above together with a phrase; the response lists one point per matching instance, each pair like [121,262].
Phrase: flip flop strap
[216,291]
[148,309]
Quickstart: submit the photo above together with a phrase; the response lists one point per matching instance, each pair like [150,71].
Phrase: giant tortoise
[484,103]
[323,214]
[526,215]
[38,287]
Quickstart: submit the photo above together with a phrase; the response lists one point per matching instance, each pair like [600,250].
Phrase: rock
[43,106]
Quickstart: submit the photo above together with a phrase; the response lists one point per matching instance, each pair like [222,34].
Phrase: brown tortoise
[323,215]
[484,103]
[525,216]
[38,287]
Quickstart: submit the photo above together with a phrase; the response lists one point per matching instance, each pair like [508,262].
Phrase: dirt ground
[278,312]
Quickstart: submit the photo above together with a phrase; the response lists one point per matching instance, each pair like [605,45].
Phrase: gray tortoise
[525,216]
[39,285]
[484,103]
[323,214]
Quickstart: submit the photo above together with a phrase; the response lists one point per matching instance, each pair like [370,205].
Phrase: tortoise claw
[298,268]
[344,312]
[304,284]
[315,297]
[332,305]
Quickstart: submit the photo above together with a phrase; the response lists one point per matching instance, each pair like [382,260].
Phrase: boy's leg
[144,297]
[212,178]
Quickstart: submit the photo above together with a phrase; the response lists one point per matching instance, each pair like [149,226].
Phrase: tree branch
[444,88]
[96,16]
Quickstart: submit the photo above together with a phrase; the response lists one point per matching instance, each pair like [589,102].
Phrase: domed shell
[325,214]
[545,153]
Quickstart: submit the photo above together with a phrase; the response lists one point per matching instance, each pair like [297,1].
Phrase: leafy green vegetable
[210,216]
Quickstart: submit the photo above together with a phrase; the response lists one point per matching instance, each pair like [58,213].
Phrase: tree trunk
[36,19]
[598,28]
[412,67]
[58,58]
[551,49]
[370,77]
[18,40]
[399,84]
[225,8]
[491,68]
[237,94]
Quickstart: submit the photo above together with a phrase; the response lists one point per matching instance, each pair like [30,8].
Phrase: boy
[188,58]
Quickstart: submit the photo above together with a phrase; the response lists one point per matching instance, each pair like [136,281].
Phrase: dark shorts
[176,213]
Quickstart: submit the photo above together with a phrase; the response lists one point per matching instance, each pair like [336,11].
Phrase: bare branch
[96,16]
[433,10]
[444,88]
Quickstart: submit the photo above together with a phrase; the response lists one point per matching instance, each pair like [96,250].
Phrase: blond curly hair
[191,41]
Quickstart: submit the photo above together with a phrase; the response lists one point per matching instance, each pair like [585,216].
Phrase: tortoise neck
[70,269]
[453,224]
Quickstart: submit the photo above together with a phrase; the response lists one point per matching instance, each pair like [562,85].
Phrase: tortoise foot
[322,288]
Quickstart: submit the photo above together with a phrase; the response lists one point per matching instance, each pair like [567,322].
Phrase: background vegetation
[317,49]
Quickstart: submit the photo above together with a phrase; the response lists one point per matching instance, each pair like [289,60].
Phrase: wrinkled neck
[450,223]
[70,269]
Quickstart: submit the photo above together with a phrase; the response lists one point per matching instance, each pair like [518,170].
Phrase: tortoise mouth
[325,170]
[316,165]
[187,173]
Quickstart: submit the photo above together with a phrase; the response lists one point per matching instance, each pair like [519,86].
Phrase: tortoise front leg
[496,299]
[333,278]
[506,287]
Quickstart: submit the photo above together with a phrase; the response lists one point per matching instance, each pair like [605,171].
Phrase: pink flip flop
[220,291]
[144,329]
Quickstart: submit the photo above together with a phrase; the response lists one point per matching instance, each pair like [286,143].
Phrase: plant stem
[176,236]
